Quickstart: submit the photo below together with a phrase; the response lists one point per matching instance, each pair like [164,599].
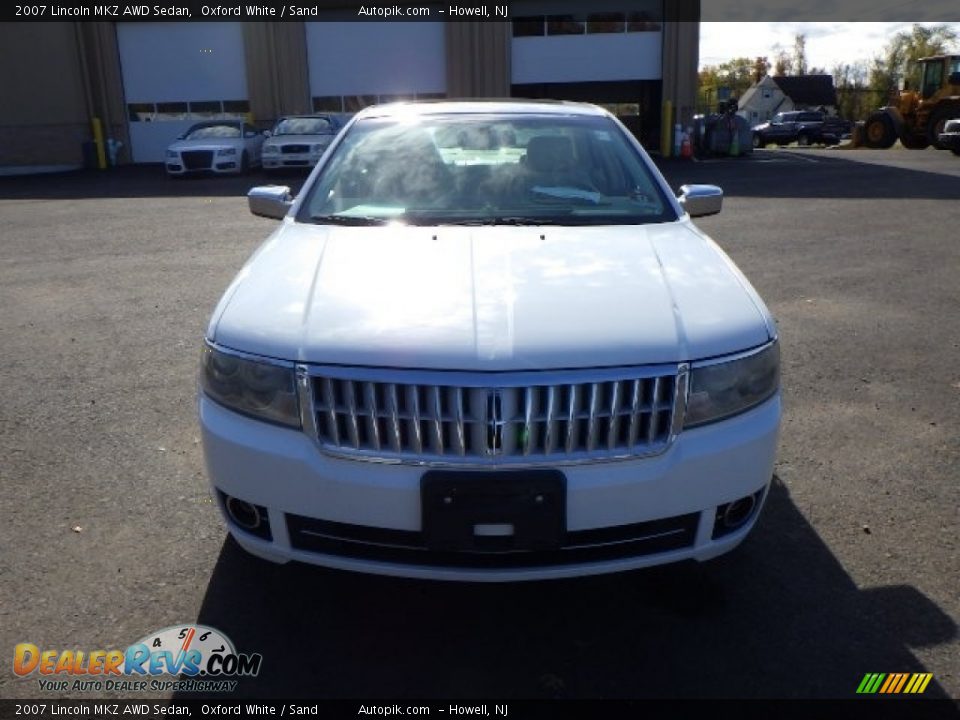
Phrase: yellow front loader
[916,117]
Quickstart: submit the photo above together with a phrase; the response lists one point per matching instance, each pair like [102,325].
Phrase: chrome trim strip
[504,379]
[666,533]
[680,392]
[308,416]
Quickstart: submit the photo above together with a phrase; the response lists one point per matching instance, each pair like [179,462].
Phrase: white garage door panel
[150,140]
[177,63]
[587,58]
[352,58]
[173,62]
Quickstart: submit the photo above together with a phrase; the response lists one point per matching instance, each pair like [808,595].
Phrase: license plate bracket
[490,512]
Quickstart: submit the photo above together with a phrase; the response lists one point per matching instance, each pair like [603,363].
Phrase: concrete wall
[43,113]
[58,75]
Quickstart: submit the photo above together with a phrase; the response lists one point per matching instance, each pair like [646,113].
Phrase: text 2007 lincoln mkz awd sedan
[486,342]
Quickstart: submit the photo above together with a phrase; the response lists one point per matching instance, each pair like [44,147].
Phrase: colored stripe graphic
[894,683]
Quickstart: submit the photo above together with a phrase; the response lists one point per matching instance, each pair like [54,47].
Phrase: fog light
[734,515]
[246,516]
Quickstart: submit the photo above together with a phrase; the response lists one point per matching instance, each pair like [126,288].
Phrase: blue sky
[828,43]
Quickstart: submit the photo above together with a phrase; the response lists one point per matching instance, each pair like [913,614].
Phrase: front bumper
[220,165]
[290,160]
[373,507]
[950,141]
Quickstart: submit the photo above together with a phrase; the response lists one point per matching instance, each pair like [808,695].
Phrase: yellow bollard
[666,126]
[98,141]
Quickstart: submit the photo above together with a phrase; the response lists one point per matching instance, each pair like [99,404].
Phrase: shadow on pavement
[827,174]
[779,617]
[136,181]
[767,174]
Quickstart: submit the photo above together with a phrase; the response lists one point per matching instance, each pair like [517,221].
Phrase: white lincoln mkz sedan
[486,342]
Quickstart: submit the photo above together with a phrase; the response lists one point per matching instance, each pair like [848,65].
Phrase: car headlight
[173,154]
[723,389]
[264,390]
[270,149]
[227,151]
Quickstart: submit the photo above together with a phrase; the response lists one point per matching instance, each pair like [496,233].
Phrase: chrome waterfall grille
[470,421]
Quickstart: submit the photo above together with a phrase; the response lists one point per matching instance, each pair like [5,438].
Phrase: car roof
[447,107]
[215,123]
[310,116]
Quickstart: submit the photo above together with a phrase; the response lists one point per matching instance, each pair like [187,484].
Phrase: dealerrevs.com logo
[199,659]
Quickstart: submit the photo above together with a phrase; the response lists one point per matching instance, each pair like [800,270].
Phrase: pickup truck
[803,127]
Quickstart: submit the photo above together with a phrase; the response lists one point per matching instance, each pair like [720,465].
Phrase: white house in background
[762,101]
[783,93]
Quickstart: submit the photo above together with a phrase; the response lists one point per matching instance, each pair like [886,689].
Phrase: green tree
[735,75]
[855,100]
[898,61]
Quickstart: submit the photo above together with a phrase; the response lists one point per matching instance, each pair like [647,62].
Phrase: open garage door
[354,64]
[176,74]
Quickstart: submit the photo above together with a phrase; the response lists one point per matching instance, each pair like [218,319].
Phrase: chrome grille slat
[527,435]
[413,402]
[371,414]
[352,426]
[550,435]
[593,420]
[654,411]
[393,412]
[598,417]
[461,443]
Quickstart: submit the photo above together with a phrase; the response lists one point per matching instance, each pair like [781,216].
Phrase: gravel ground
[108,532]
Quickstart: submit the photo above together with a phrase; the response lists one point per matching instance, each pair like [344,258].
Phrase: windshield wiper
[508,220]
[349,220]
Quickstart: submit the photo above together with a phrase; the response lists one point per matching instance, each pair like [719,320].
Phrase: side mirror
[701,200]
[267,133]
[270,201]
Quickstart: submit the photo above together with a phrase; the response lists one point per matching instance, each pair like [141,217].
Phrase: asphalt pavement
[108,531]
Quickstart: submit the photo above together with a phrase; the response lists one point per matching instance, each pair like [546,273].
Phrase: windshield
[207,132]
[304,126]
[486,169]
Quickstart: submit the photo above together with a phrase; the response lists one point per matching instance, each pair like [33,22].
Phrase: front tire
[803,140]
[757,142]
[878,132]
[937,122]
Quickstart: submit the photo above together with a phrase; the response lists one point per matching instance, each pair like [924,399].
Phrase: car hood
[299,139]
[490,298]
[206,144]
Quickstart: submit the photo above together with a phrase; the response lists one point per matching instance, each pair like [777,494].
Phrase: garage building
[145,82]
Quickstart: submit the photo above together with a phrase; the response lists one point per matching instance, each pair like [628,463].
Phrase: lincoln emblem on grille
[495,422]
